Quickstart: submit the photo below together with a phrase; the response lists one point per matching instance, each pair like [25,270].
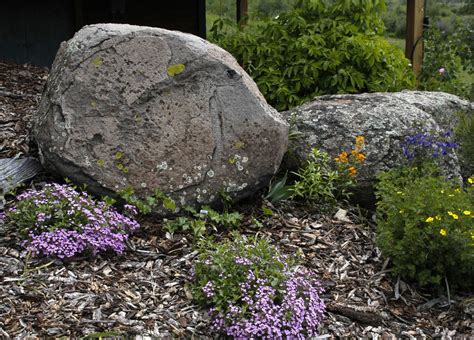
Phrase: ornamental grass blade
[279,190]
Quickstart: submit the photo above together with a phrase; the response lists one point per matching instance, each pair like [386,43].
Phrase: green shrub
[426,226]
[443,65]
[320,47]
[217,263]
[465,136]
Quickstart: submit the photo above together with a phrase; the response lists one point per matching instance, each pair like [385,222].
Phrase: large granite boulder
[332,122]
[148,108]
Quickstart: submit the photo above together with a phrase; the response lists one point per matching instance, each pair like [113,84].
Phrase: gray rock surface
[332,122]
[150,108]
[443,107]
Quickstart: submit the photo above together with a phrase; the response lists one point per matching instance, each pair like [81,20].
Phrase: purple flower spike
[427,145]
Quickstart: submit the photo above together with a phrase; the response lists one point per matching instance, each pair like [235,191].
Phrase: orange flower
[359,142]
[342,158]
[360,157]
[352,171]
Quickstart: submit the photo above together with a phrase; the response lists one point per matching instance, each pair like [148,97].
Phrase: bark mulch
[145,291]
[20,92]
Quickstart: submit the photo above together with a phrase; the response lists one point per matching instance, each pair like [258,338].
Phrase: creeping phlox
[59,221]
[254,291]
[300,311]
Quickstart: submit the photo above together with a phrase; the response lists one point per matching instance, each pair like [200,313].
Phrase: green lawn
[400,43]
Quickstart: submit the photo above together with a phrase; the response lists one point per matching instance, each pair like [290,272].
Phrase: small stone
[341,215]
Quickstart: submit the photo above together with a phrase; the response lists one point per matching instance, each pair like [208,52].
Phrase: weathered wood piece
[362,314]
[14,171]
[414,36]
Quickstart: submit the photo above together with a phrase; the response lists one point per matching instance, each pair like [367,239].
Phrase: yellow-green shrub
[320,47]
[426,226]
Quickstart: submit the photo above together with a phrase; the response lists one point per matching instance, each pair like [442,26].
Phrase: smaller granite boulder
[332,122]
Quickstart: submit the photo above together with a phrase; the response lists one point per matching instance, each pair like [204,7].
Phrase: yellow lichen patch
[239,145]
[93,103]
[100,162]
[122,168]
[138,119]
[175,69]
[118,154]
[97,62]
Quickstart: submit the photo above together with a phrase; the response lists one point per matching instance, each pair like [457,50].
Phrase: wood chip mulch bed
[20,92]
[145,291]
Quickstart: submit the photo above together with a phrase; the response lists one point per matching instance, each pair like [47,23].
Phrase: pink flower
[442,71]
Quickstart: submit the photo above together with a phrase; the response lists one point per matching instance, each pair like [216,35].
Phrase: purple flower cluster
[59,221]
[295,313]
[208,289]
[242,261]
[425,144]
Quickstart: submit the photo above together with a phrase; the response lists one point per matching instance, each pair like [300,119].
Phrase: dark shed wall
[34,35]
[32,30]
[181,15]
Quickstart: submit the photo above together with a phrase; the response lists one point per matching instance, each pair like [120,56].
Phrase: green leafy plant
[198,222]
[442,64]
[279,190]
[464,133]
[425,224]
[145,206]
[217,263]
[226,199]
[326,182]
[320,47]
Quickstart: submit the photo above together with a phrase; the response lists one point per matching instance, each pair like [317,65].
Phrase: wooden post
[242,9]
[202,18]
[414,35]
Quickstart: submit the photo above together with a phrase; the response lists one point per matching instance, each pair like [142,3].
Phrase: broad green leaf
[169,204]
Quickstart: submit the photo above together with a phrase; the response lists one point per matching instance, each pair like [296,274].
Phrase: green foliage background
[319,47]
